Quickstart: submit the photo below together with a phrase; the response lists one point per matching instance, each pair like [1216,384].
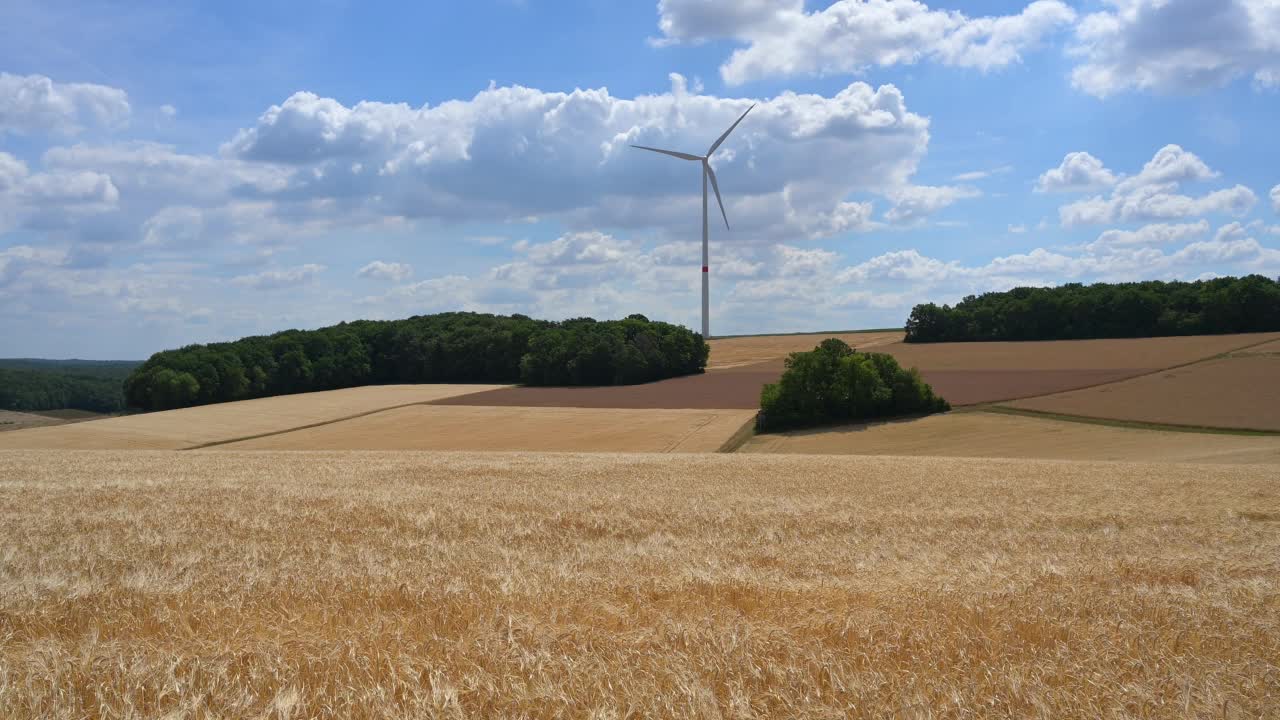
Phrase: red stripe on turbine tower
[704,268]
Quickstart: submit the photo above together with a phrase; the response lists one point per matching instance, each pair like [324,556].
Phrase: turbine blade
[720,139]
[716,186]
[672,153]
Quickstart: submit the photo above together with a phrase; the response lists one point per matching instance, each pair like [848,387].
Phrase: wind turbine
[707,173]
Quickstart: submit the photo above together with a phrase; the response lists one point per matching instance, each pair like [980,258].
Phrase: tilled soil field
[963,373]
[1242,391]
[739,387]
[1060,355]
[731,388]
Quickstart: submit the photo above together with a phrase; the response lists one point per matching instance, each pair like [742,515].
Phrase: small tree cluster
[1074,311]
[833,383]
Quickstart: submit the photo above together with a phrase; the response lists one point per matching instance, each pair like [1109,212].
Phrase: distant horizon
[247,169]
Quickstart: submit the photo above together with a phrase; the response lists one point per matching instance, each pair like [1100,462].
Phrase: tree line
[834,383]
[456,347]
[33,385]
[1102,310]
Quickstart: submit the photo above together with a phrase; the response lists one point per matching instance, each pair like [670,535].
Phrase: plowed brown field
[432,427]
[376,585]
[189,427]
[1242,391]
[1159,352]
[964,373]
[984,434]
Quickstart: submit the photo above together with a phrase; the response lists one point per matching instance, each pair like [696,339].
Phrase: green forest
[1102,310]
[834,383]
[32,385]
[457,347]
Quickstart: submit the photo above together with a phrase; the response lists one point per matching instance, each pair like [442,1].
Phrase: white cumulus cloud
[1176,45]
[379,270]
[277,279]
[847,36]
[37,104]
[1078,171]
[514,152]
[914,203]
[1153,194]
[1148,235]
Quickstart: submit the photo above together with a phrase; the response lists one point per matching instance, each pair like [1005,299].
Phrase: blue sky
[174,173]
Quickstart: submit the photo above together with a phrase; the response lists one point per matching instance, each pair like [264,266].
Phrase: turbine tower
[707,174]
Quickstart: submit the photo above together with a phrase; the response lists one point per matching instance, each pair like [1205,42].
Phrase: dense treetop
[32,385]
[834,383]
[1102,310]
[454,347]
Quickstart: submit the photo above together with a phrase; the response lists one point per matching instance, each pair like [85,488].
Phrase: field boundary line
[1179,366]
[1131,424]
[308,426]
[675,445]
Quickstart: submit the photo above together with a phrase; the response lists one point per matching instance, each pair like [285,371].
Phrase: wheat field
[224,422]
[554,429]
[523,585]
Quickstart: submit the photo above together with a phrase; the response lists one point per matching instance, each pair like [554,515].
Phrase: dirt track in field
[986,434]
[191,427]
[1242,391]
[559,429]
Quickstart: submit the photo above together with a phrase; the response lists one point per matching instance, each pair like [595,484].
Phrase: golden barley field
[523,585]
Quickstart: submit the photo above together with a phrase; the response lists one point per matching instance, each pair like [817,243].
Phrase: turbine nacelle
[707,170]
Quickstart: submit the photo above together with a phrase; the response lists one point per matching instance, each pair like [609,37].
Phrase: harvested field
[432,427]
[985,434]
[72,414]
[735,388]
[739,387]
[189,427]
[738,351]
[371,585]
[1271,348]
[974,387]
[1242,391]
[10,420]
